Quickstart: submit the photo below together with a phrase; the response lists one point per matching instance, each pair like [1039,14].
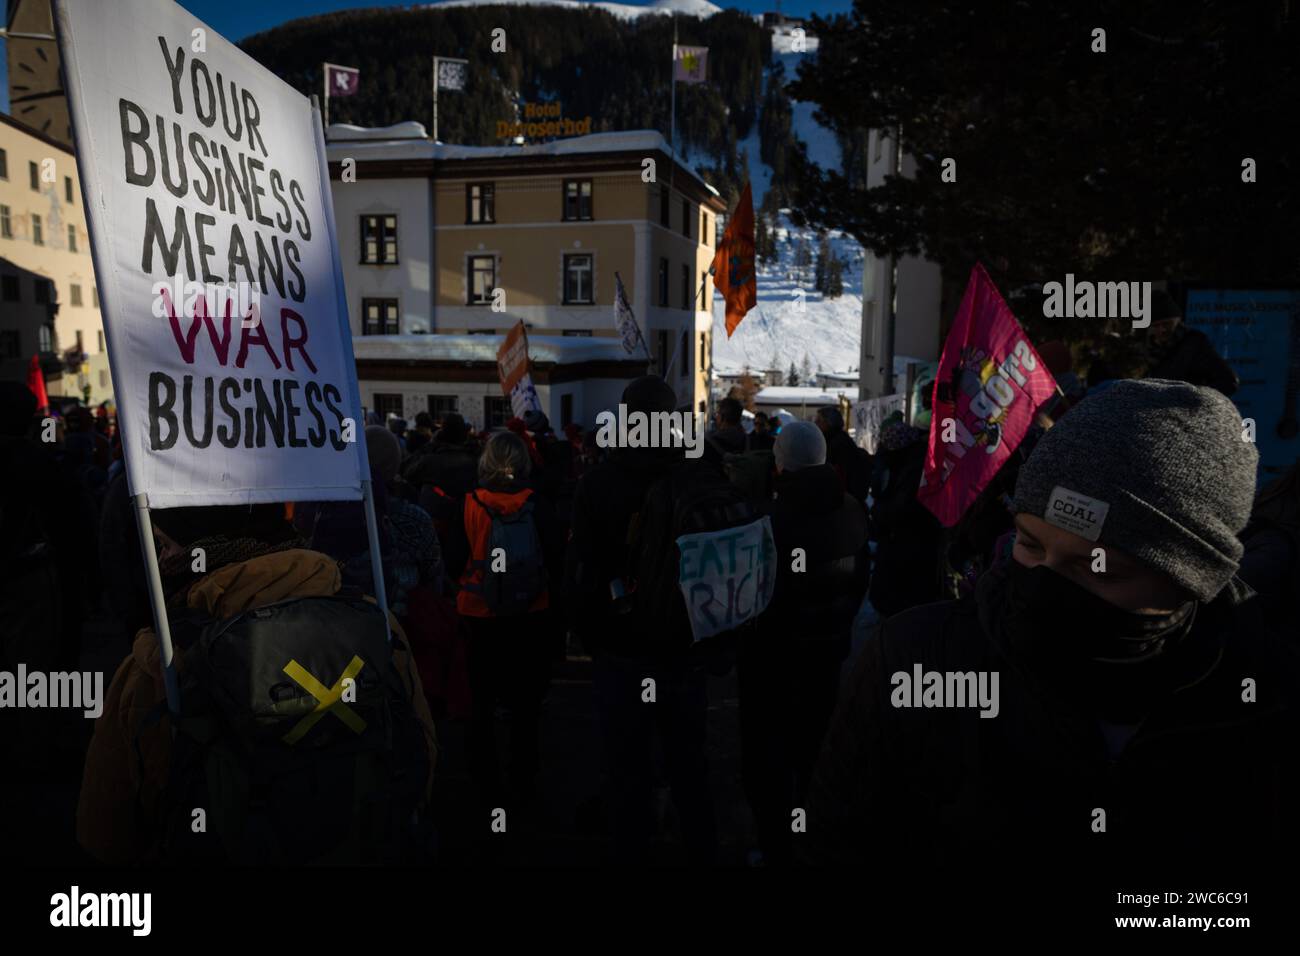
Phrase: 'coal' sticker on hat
[1077,513]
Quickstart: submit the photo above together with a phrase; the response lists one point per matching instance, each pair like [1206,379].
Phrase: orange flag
[733,264]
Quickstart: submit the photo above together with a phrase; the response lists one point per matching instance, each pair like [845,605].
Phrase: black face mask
[1110,661]
[1048,615]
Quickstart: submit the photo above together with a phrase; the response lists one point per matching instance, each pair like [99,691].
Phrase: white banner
[867,416]
[727,576]
[214,247]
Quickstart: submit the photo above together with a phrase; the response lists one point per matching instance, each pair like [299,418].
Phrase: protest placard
[726,576]
[231,354]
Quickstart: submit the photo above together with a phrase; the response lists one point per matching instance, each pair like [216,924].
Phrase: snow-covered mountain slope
[784,326]
[624,11]
[828,331]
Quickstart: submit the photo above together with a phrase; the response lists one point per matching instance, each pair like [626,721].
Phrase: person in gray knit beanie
[1157,469]
[799,445]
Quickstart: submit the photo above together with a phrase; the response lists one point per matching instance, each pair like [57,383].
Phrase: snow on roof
[802,395]
[563,349]
[624,11]
[409,140]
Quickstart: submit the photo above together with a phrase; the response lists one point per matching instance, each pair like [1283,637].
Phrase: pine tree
[805,369]
[792,376]
[760,239]
[820,270]
[835,279]
[775,366]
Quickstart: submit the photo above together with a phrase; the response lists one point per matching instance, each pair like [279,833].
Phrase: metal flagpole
[325,82]
[161,626]
[367,494]
[435,99]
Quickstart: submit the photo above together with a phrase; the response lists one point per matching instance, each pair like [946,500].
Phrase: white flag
[452,74]
[690,64]
[624,320]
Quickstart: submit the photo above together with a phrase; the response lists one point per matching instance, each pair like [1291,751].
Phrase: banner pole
[345,324]
[376,558]
[435,99]
[325,86]
[158,600]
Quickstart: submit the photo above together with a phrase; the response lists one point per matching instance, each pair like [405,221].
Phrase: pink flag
[342,80]
[990,383]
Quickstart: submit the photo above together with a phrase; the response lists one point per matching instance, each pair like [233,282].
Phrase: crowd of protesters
[1120,690]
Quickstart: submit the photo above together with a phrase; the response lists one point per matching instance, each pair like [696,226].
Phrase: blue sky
[236,19]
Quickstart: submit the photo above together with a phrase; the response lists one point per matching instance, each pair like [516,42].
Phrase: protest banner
[867,416]
[212,234]
[1257,331]
[512,367]
[990,383]
[233,365]
[726,576]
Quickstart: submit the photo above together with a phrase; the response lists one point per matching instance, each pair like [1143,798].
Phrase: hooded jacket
[1208,781]
[116,778]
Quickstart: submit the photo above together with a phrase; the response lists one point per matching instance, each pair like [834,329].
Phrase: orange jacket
[109,825]
[478,526]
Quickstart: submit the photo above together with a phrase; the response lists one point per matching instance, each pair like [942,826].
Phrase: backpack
[282,780]
[512,590]
[694,497]
[751,472]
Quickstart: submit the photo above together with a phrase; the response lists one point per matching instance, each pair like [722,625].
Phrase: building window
[482,279]
[704,227]
[67,189]
[378,240]
[704,351]
[576,333]
[74,295]
[480,202]
[103,378]
[100,336]
[686,218]
[43,289]
[387,404]
[577,280]
[4,164]
[81,351]
[72,238]
[684,369]
[94,295]
[663,206]
[704,291]
[663,282]
[441,405]
[47,338]
[6,224]
[10,344]
[38,234]
[686,287]
[577,199]
[566,410]
[35,175]
[661,340]
[379,317]
[9,289]
[496,411]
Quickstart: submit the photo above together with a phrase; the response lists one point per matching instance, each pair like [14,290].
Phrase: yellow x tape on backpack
[329,700]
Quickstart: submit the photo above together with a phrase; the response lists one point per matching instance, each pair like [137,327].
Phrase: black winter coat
[1206,789]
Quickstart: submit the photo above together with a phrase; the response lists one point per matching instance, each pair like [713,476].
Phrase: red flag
[990,383]
[36,382]
[733,264]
